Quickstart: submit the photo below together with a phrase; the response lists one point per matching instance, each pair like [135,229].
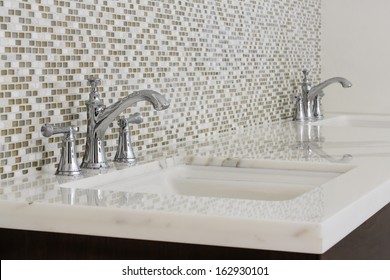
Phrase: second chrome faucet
[308,104]
[100,117]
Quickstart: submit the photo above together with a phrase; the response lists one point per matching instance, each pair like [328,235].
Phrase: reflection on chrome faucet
[308,106]
[68,196]
[314,148]
[309,140]
[96,198]
[100,117]
[74,196]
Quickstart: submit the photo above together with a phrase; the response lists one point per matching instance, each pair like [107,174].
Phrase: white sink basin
[357,121]
[252,179]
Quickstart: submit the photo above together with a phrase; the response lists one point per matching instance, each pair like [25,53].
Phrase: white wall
[356,45]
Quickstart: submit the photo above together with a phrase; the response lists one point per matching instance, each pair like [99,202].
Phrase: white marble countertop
[310,223]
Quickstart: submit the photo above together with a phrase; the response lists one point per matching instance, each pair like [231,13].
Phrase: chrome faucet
[124,152]
[100,117]
[67,165]
[308,107]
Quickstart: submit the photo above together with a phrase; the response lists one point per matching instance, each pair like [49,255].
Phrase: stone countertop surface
[310,223]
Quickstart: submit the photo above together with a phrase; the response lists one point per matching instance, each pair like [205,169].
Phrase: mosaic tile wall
[223,64]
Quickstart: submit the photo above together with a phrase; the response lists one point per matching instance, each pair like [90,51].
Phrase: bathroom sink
[232,178]
[357,121]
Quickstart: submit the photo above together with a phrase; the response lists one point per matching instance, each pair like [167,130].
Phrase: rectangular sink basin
[357,121]
[222,178]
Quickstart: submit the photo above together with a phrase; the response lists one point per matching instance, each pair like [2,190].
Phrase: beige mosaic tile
[223,64]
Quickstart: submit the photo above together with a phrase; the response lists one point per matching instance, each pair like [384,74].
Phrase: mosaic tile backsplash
[223,64]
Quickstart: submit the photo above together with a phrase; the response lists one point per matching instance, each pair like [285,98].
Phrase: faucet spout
[316,90]
[100,117]
[112,112]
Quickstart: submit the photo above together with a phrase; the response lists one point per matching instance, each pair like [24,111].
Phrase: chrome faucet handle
[317,109]
[300,110]
[50,130]
[305,73]
[68,162]
[94,96]
[305,76]
[94,81]
[306,86]
[125,151]
[135,118]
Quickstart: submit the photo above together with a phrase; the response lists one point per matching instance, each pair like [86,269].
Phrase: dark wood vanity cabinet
[369,241]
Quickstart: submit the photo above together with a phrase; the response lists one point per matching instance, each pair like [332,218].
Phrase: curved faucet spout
[111,112]
[316,90]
